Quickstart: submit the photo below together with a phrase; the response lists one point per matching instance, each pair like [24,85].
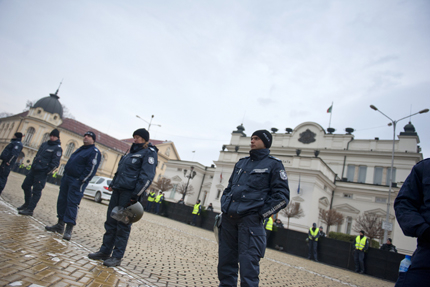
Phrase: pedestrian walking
[134,175]
[79,170]
[8,156]
[257,189]
[151,199]
[313,236]
[158,201]
[361,246]
[196,212]
[412,207]
[47,159]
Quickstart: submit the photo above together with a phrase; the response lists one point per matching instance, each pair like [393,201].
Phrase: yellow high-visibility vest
[151,196]
[269,225]
[196,208]
[313,233]
[158,198]
[359,244]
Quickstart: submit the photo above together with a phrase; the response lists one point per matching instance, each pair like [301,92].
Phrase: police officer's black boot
[68,233]
[59,227]
[22,207]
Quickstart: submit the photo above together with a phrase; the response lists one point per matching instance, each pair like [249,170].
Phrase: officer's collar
[87,146]
[258,154]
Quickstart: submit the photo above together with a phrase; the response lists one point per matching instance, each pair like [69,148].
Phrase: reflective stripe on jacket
[359,244]
[158,198]
[151,196]
[196,209]
[313,235]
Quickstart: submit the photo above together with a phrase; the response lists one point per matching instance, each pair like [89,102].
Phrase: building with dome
[326,170]
[47,114]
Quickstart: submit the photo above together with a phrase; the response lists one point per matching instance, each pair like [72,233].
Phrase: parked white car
[98,188]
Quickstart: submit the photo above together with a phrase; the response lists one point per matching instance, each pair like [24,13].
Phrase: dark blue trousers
[313,249]
[359,261]
[419,272]
[117,232]
[37,180]
[149,206]
[4,173]
[69,198]
[241,240]
[157,207]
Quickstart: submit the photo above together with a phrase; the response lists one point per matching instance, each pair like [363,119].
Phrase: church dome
[50,104]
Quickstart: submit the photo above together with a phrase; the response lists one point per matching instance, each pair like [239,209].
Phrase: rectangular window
[388,175]
[377,176]
[362,170]
[348,225]
[173,191]
[218,194]
[61,170]
[350,172]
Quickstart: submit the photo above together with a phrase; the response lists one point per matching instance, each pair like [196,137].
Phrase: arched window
[45,138]
[29,135]
[69,149]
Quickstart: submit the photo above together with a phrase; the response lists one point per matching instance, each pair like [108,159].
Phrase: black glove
[426,235]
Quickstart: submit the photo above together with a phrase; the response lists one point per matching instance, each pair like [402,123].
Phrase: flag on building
[220,177]
[298,188]
[329,109]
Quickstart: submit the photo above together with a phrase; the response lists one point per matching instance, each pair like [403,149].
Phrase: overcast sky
[204,67]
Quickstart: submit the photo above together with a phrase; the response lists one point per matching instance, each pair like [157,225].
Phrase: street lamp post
[149,123]
[190,175]
[393,123]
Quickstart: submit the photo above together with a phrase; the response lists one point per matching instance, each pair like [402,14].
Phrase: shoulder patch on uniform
[283,174]
[58,153]
[94,162]
[59,145]
[151,160]
[16,147]
[151,148]
[275,158]
[96,149]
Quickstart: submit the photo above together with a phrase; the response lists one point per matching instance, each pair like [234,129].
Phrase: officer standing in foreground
[79,170]
[9,156]
[412,207]
[46,161]
[257,189]
[313,235]
[361,246]
[136,170]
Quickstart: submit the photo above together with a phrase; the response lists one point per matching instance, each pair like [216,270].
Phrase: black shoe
[316,260]
[112,262]
[98,256]
[22,207]
[68,233]
[26,212]
[59,227]
[361,272]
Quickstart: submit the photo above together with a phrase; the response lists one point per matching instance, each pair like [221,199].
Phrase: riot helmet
[128,215]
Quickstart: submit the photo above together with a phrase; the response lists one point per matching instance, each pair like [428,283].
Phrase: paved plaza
[160,252]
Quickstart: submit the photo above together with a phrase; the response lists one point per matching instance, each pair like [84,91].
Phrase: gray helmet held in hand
[128,215]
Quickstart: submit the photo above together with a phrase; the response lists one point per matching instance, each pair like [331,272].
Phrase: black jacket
[48,157]
[258,184]
[136,169]
[11,151]
[83,163]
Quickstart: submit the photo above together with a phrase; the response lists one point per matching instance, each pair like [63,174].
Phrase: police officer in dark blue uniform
[46,161]
[9,156]
[412,207]
[79,170]
[257,189]
[134,175]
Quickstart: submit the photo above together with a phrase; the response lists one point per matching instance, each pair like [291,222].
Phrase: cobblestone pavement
[160,252]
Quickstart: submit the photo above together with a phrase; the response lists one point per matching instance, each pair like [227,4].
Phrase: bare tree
[331,217]
[164,184]
[182,188]
[4,115]
[292,210]
[371,224]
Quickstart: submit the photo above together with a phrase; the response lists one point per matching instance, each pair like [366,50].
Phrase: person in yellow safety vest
[268,226]
[158,200]
[54,175]
[151,198]
[313,235]
[196,212]
[361,246]
[28,167]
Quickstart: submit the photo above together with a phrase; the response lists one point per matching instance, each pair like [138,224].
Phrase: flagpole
[331,112]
